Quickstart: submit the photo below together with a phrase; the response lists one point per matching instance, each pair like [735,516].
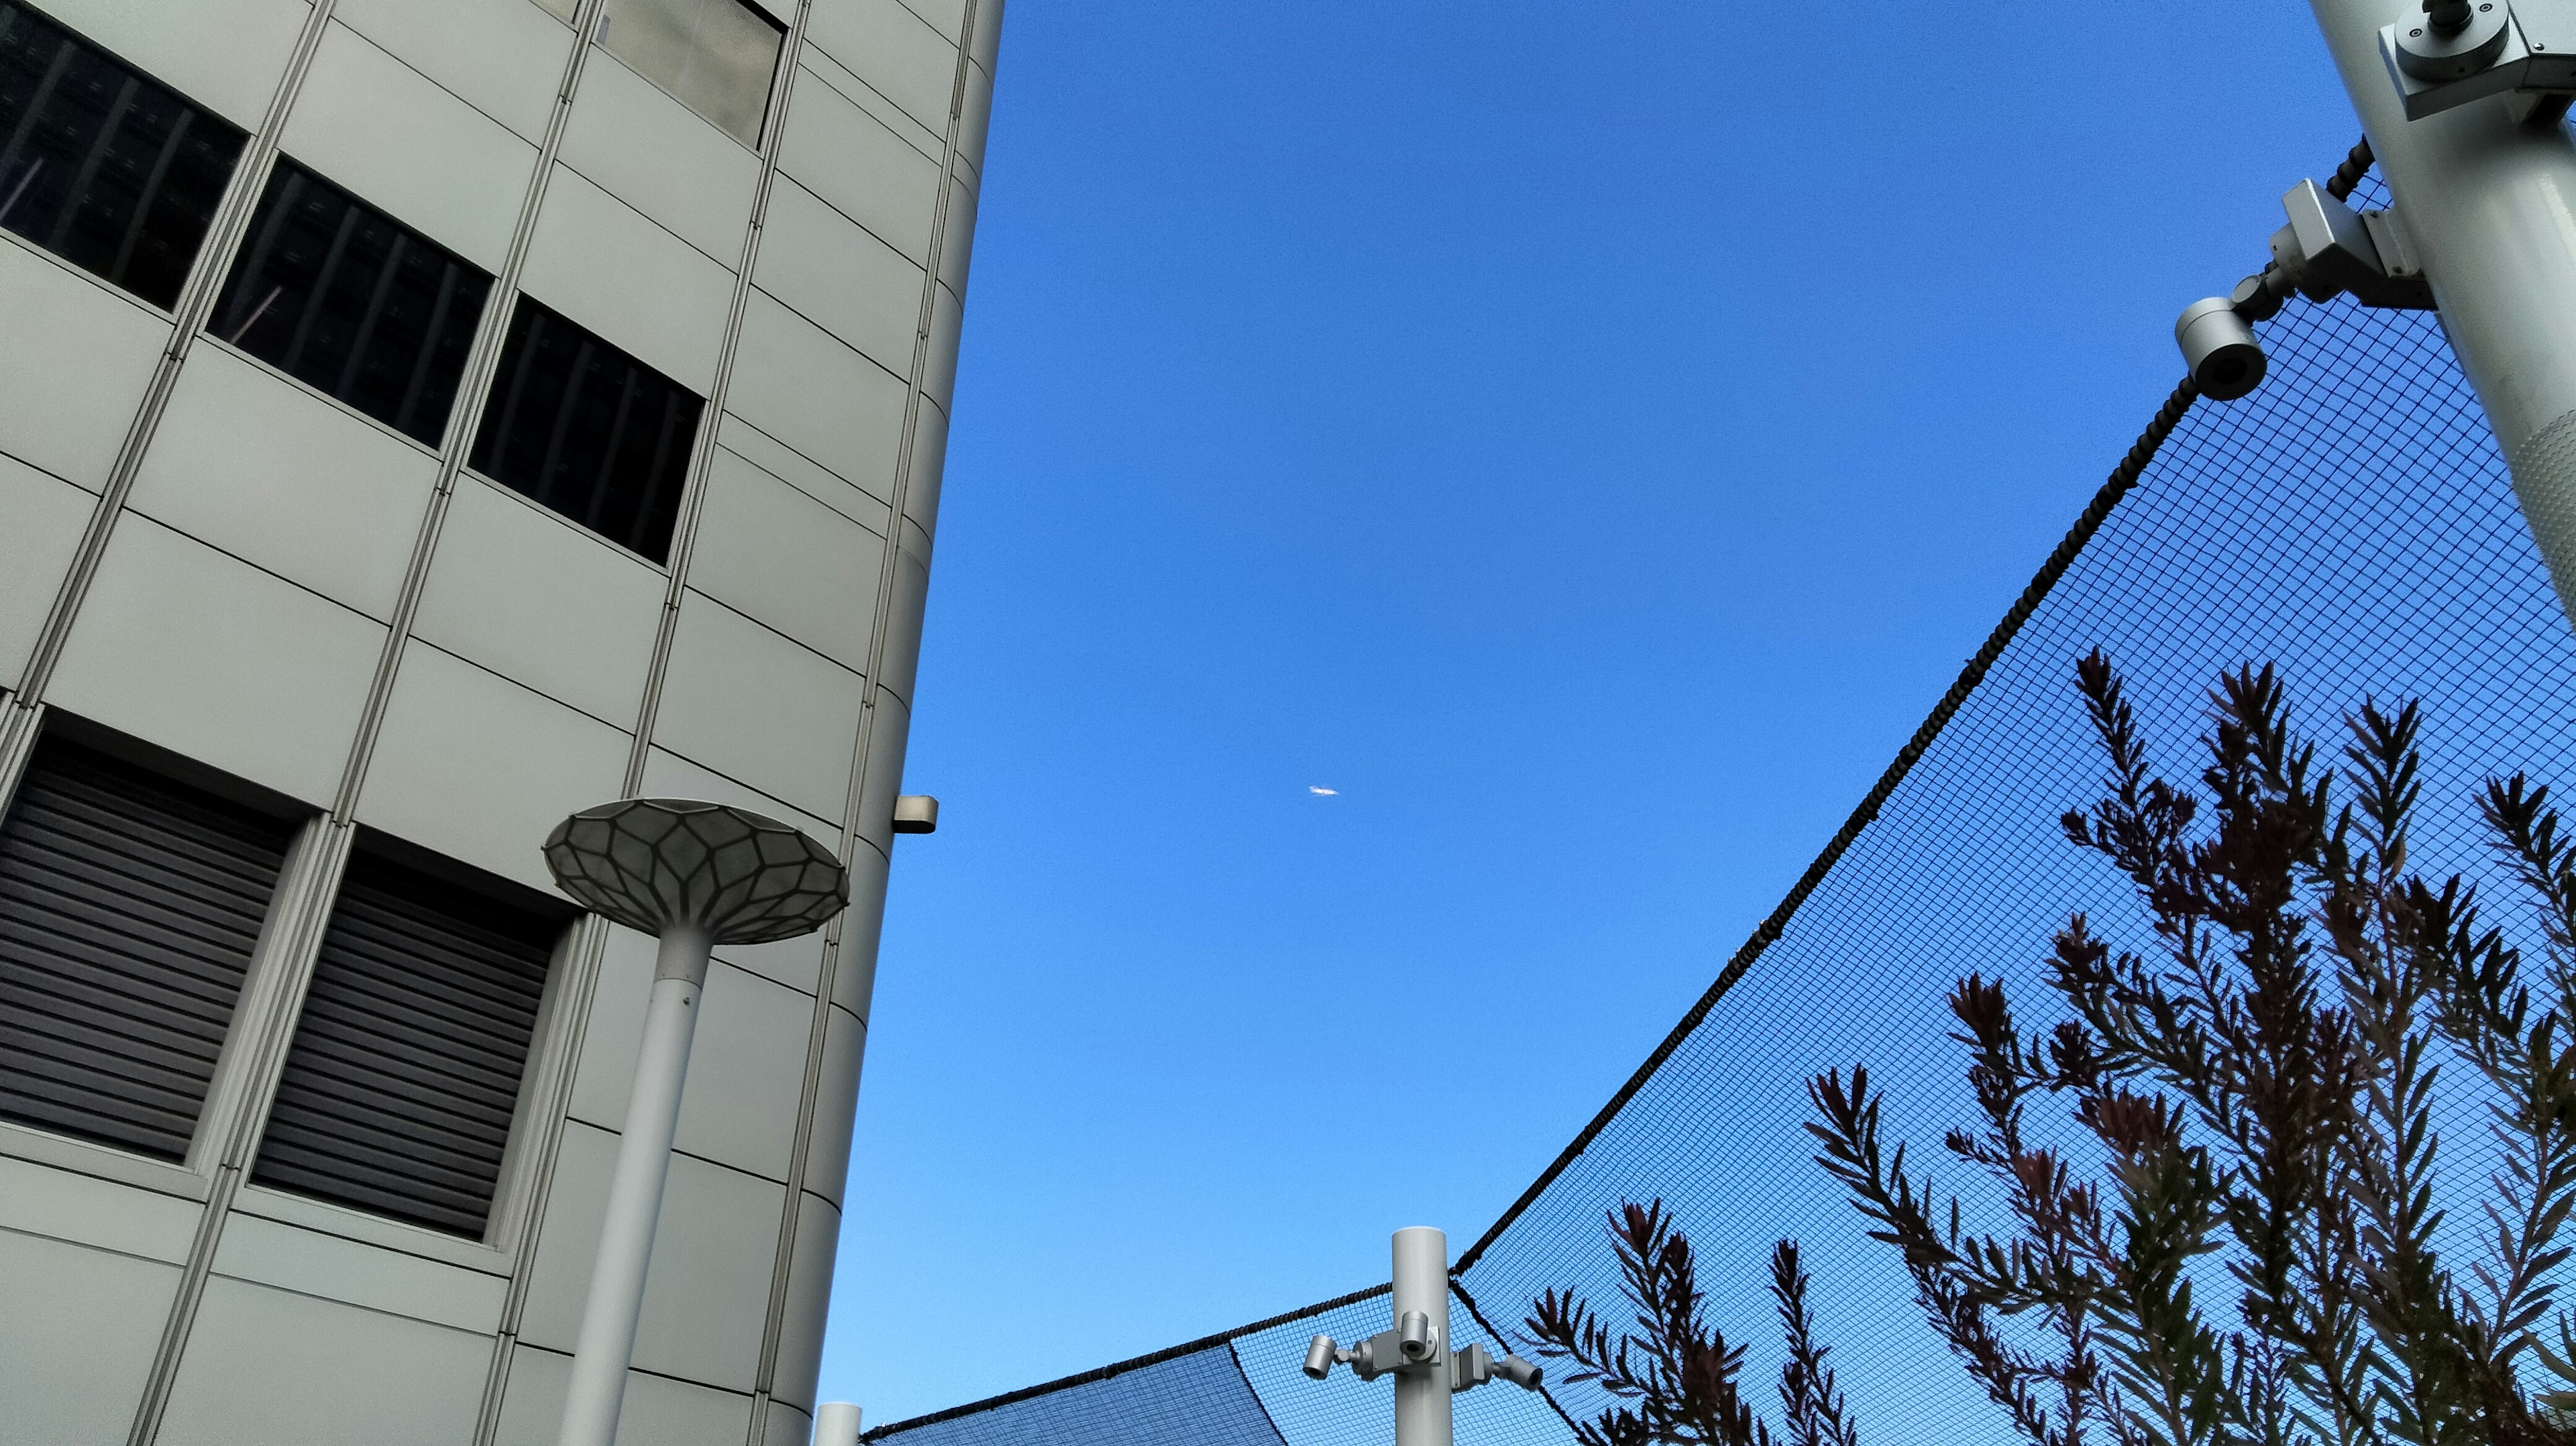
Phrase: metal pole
[836,1423]
[2490,206]
[1422,1284]
[607,1342]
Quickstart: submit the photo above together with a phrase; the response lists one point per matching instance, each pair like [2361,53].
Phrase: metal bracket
[2537,57]
[2328,249]
[1384,1354]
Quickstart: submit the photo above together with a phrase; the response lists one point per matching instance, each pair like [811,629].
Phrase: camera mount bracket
[2522,48]
[2327,250]
[1416,1350]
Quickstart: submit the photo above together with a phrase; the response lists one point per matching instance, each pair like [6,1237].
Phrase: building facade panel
[269,1367]
[796,963]
[809,1296]
[394,137]
[708,1298]
[78,359]
[330,1267]
[288,481]
[654,154]
[860,167]
[828,269]
[742,444]
[868,98]
[503,57]
[895,51]
[601,262]
[836,1104]
[85,1210]
[480,768]
[659,1411]
[708,1293]
[739,1106]
[929,470]
[777,556]
[90,1346]
[668,775]
[46,517]
[823,399]
[854,971]
[752,704]
[533,597]
[199,652]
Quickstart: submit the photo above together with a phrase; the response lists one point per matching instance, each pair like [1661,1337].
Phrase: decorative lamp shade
[649,863]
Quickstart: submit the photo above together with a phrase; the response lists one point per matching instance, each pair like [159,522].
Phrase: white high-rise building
[421,419]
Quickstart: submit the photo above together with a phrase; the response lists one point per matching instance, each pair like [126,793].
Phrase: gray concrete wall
[201,552]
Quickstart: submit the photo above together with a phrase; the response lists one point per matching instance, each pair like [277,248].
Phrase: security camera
[1413,1335]
[1519,1372]
[1319,1357]
[2220,349]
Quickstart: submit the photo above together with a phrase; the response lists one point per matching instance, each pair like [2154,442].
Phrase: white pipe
[607,1342]
[1422,1284]
[2491,209]
[836,1423]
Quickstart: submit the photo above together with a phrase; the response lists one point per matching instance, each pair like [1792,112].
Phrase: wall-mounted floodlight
[916,813]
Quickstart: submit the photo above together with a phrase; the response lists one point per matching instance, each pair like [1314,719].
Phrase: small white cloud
[1325,792]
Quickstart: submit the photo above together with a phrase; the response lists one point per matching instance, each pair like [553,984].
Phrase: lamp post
[696,875]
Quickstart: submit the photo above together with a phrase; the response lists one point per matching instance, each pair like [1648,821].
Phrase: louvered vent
[399,1090]
[129,906]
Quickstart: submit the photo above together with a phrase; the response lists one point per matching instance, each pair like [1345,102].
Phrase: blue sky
[1587,438]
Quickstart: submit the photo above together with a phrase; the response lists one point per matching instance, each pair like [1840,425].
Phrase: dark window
[588,430]
[129,906]
[404,1075]
[338,294]
[100,166]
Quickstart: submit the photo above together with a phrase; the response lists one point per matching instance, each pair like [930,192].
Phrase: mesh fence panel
[1196,1399]
[2350,523]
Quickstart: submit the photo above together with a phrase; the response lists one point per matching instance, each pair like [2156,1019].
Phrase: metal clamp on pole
[2446,53]
[1416,1351]
[2326,250]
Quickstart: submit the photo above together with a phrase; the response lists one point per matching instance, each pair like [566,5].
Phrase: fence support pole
[2490,206]
[1422,1416]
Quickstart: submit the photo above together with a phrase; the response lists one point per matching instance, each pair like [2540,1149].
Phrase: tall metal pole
[607,1340]
[2490,206]
[1422,1284]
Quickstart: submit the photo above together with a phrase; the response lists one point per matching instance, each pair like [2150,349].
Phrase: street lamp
[697,875]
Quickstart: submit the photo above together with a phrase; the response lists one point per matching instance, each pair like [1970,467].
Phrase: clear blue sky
[1587,437]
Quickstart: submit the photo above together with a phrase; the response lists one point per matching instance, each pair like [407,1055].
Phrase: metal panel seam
[275,999]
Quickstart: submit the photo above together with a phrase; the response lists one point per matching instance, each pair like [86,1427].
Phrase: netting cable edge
[1137,1363]
[2122,479]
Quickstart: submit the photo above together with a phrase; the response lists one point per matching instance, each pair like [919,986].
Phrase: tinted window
[588,430]
[99,165]
[714,56]
[338,294]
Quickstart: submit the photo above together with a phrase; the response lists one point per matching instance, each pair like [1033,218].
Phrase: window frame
[246,1073]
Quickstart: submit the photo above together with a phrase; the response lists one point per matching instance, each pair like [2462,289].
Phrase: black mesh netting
[2352,523]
